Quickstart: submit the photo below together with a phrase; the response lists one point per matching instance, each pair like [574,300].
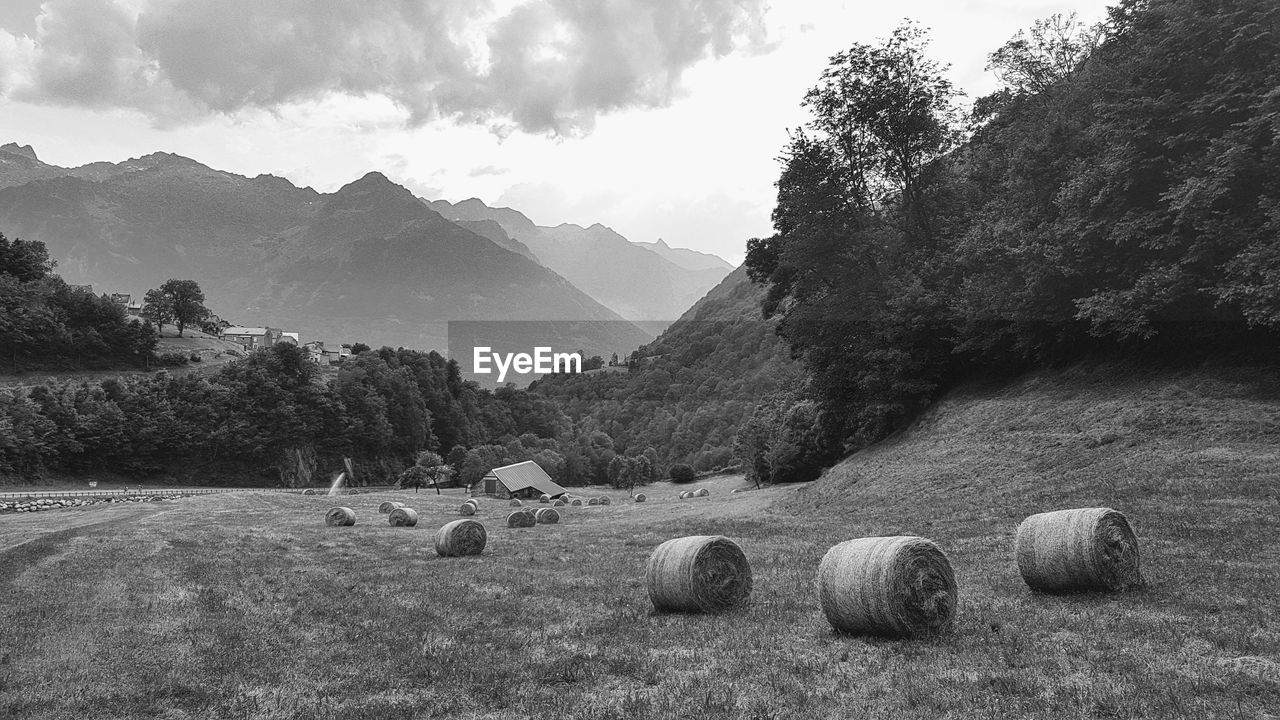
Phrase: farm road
[19,529]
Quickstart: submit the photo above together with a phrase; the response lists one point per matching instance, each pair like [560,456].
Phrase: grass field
[247,606]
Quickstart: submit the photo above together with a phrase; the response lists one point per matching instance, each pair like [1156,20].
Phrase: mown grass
[248,606]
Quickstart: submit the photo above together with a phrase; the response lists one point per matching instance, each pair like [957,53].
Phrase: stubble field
[248,606]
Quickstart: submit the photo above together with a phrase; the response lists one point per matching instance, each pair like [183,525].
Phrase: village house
[252,338]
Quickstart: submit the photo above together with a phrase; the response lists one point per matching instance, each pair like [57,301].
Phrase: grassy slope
[247,606]
[213,353]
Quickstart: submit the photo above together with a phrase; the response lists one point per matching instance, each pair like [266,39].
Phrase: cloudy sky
[658,118]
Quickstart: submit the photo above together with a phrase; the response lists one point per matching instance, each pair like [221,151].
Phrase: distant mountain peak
[373,181]
[159,160]
[23,150]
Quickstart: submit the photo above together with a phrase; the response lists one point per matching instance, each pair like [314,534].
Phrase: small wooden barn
[521,480]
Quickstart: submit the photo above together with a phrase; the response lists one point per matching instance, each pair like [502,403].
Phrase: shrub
[172,358]
[681,473]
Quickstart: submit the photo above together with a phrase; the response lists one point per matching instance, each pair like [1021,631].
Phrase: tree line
[1117,197]
[273,419]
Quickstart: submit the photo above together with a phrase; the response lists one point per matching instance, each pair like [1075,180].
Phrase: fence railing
[137,492]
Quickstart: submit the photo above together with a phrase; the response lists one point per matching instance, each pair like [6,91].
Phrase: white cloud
[542,66]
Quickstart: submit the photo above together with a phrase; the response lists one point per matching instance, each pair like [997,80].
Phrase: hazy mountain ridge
[686,258]
[637,282]
[369,262]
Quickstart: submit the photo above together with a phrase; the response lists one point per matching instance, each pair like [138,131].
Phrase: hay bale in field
[309,491]
[706,573]
[402,517]
[736,491]
[515,503]
[898,586]
[594,501]
[604,499]
[702,492]
[544,498]
[640,497]
[388,506]
[546,516]
[1081,549]
[467,509]
[558,503]
[340,516]
[461,537]
[521,519]
[686,495]
[473,502]
[576,502]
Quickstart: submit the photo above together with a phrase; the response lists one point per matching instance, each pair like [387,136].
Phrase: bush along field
[249,605]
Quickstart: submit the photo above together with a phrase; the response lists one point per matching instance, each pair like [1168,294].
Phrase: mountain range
[652,284]
[370,262]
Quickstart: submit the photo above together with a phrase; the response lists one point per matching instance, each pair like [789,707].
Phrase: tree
[887,111]
[434,470]
[25,260]
[157,306]
[1053,50]
[359,347]
[681,473]
[184,301]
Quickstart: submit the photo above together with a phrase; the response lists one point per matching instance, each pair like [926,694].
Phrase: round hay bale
[461,537]
[686,495]
[308,491]
[521,519]
[736,491]
[898,586]
[546,516]
[473,502]
[467,509]
[594,501]
[576,502]
[340,516]
[544,498]
[558,503]
[1081,549]
[388,506]
[402,517]
[515,503]
[640,497]
[604,499]
[706,573]
[702,492]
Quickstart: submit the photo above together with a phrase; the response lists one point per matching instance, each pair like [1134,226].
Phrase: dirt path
[18,530]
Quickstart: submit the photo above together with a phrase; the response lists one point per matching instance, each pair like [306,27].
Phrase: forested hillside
[46,323]
[1117,197]
[690,389]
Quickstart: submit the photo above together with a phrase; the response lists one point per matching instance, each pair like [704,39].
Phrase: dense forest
[688,391]
[44,322]
[271,418]
[1118,196]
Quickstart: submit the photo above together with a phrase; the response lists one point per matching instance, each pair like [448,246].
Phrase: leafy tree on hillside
[1054,49]
[25,260]
[182,300]
[157,306]
[681,473]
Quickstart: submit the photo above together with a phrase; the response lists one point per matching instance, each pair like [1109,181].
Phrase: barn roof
[527,474]
[236,330]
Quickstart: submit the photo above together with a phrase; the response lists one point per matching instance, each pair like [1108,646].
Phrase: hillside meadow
[247,605]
